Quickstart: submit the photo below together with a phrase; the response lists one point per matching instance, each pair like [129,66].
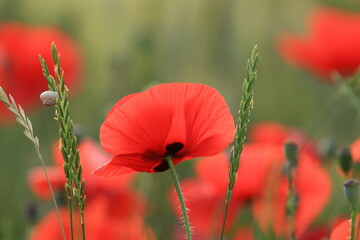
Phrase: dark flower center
[163,166]
[171,149]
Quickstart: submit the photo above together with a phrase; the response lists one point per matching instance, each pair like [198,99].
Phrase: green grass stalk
[72,167]
[242,121]
[24,121]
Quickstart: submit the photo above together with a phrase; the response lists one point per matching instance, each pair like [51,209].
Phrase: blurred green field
[129,45]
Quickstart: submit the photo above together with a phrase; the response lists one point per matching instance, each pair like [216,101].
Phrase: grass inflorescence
[246,104]
[25,122]
[75,184]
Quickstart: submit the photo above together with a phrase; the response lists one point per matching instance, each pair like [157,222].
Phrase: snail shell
[49,98]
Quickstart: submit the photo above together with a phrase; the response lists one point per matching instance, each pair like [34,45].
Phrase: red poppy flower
[39,185]
[49,226]
[20,69]
[91,156]
[317,233]
[269,208]
[244,234]
[184,120]
[330,46]
[312,193]
[106,217]
[355,150]
[342,230]
[276,134]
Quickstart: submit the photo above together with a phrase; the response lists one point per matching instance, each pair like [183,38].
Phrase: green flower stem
[353,210]
[291,207]
[180,196]
[71,217]
[82,223]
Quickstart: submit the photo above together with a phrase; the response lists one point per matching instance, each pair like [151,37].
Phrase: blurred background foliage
[129,45]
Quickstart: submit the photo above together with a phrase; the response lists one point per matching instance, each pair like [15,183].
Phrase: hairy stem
[353,210]
[180,196]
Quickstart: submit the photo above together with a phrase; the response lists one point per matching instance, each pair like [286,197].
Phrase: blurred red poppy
[20,69]
[331,45]
[244,234]
[312,184]
[49,226]
[91,156]
[110,218]
[342,230]
[184,120]
[113,209]
[260,182]
[317,233]
[355,150]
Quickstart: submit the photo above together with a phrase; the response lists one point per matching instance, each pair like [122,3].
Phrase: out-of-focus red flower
[113,211]
[110,218]
[260,181]
[91,156]
[49,226]
[317,233]
[312,185]
[244,234]
[331,45]
[355,150]
[205,197]
[184,120]
[39,185]
[342,230]
[276,134]
[20,69]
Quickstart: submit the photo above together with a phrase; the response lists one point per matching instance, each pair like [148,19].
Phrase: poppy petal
[39,185]
[193,115]
[126,163]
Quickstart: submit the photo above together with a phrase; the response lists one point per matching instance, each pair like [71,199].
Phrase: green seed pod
[345,160]
[352,191]
[49,98]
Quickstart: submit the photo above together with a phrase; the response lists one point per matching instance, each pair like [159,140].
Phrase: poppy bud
[49,98]
[352,191]
[291,152]
[345,160]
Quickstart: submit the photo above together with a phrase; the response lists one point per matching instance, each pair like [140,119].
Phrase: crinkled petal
[194,115]
[126,163]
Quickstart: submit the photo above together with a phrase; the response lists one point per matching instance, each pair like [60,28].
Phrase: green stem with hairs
[180,196]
